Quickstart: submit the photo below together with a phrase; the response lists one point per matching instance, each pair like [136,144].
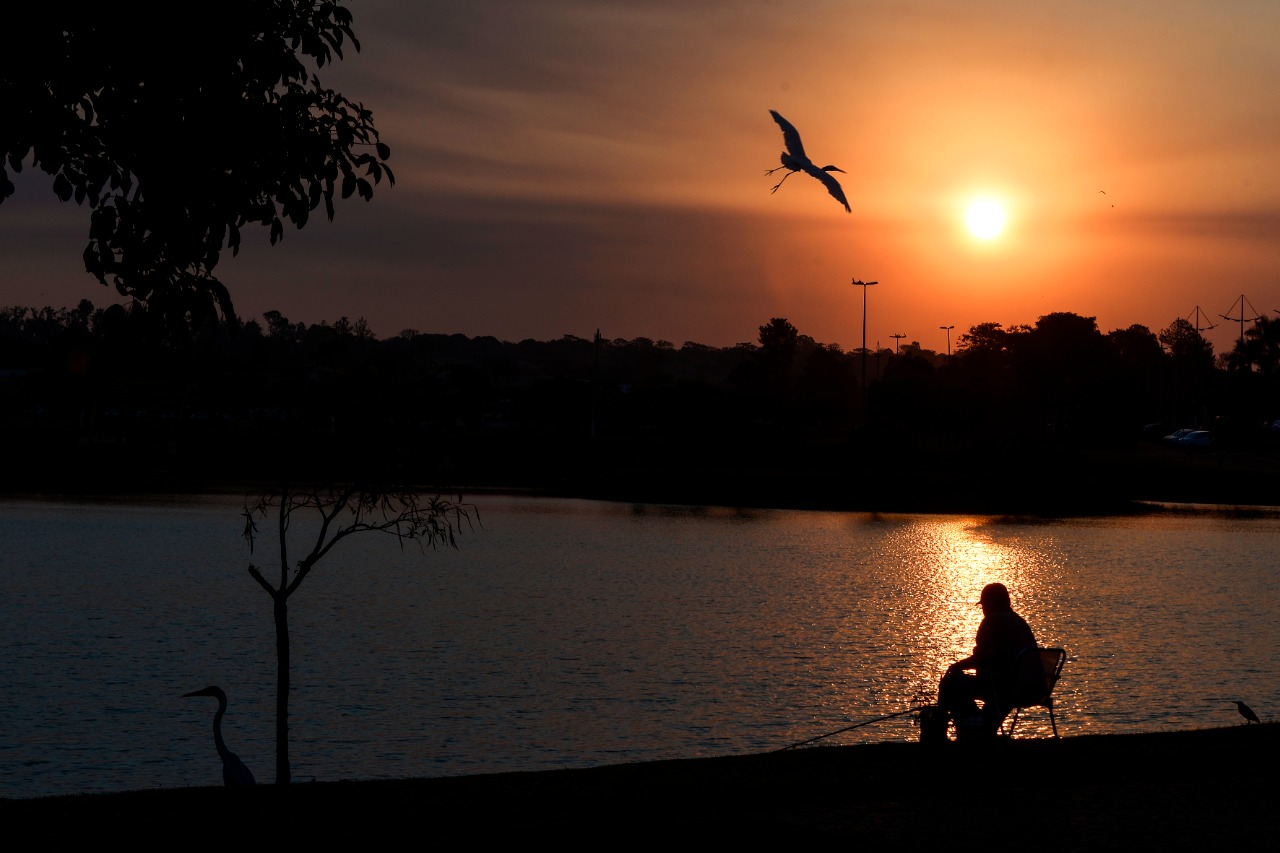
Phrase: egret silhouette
[234,773]
[795,160]
[1247,713]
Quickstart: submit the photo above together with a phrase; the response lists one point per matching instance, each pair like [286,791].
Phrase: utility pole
[948,331]
[864,285]
[1197,313]
[595,386]
[896,338]
[1242,302]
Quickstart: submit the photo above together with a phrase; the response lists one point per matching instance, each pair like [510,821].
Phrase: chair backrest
[1038,673]
[1053,660]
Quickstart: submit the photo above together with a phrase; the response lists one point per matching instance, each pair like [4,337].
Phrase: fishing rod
[854,726]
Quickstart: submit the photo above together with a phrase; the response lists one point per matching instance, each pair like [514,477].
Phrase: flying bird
[1247,713]
[234,773]
[795,160]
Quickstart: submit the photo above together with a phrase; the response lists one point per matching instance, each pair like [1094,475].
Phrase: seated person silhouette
[1002,634]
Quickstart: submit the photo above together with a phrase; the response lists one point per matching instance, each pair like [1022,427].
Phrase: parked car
[1176,436]
[1200,439]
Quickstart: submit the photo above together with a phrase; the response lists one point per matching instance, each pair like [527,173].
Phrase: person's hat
[995,593]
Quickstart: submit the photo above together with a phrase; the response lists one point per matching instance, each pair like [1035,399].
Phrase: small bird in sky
[795,160]
[1247,713]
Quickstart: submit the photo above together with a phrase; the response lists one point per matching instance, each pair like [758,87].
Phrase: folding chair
[1037,692]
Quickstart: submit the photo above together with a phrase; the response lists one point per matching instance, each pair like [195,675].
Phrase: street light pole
[864,285]
[948,329]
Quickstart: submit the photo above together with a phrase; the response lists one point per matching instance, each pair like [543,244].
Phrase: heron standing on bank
[1247,713]
[234,773]
[795,160]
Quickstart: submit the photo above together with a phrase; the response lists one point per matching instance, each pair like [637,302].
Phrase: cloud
[576,163]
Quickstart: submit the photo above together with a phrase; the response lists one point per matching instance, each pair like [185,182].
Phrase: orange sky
[565,165]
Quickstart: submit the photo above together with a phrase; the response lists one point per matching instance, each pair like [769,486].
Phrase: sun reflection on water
[573,633]
[931,613]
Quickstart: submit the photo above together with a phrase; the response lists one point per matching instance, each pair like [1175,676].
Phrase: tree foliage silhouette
[1259,349]
[176,143]
[778,339]
[1186,346]
[327,516]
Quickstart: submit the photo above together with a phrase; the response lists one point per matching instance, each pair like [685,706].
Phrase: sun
[985,218]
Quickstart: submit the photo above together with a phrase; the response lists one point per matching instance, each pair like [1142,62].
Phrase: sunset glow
[567,168]
[985,218]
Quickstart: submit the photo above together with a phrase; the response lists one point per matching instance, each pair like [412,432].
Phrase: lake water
[569,633]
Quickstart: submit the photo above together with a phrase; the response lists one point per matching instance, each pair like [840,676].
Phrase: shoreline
[1180,790]
[1119,507]
[1046,484]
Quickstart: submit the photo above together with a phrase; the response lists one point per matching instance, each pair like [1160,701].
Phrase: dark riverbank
[1052,419]
[1207,789]
[1041,483]
[1046,482]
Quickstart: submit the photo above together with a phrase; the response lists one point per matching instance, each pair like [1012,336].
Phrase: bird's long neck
[218,742]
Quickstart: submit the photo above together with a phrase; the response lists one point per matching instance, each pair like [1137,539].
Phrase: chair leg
[1013,723]
[1053,722]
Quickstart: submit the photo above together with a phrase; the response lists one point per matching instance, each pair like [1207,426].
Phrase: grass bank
[1205,789]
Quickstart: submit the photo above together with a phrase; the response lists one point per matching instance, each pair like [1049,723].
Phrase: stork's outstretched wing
[790,136]
[832,185]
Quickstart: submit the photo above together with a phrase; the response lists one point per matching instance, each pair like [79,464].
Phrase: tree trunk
[282,687]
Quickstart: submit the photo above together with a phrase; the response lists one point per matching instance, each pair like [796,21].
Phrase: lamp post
[948,330]
[864,285]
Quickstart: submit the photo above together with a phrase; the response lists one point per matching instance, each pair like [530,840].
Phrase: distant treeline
[93,398]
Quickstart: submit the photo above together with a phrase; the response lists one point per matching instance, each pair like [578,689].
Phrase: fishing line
[854,726]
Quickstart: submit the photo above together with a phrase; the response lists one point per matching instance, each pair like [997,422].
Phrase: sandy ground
[1207,790]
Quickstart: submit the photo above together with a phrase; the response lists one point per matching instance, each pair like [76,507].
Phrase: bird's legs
[779,183]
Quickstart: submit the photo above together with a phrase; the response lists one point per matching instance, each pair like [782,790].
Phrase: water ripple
[573,633]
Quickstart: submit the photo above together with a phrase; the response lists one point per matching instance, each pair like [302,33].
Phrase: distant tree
[905,400]
[778,338]
[983,366]
[1067,369]
[989,347]
[1259,349]
[771,375]
[1066,330]
[1186,346]
[326,516]
[984,338]
[279,327]
[179,125]
[1140,368]
[1137,346]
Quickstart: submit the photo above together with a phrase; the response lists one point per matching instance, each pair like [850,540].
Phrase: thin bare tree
[338,512]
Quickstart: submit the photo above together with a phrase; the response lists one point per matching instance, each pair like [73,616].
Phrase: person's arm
[979,651]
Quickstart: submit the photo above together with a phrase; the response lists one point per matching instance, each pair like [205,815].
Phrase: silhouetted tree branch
[179,132]
[339,512]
